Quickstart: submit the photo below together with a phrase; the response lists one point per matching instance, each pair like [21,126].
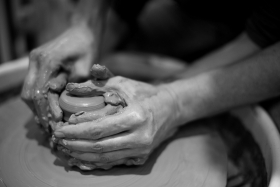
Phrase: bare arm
[250,80]
[233,51]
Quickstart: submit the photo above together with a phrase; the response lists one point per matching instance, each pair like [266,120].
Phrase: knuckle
[103,158]
[39,56]
[139,116]
[37,95]
[139,160]
[97,148]
[95,133]
[146,141]
[26,92]
[33,54]
[120,79]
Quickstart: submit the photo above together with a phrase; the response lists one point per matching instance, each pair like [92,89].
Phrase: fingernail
[59,134]
[79,113]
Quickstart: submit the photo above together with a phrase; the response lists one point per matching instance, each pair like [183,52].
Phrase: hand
[126,137]
[51,65]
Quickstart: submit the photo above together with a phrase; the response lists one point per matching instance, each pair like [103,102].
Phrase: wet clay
[191,159]
[71,104]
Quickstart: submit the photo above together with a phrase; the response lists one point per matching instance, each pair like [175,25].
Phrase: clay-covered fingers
[107,126]
[124,161]
[100,72]
[84,165]
[58,83]
[109,144]
[55,110]
[28,86]
[81,164]
[81,117]
[105,157]
[47,71]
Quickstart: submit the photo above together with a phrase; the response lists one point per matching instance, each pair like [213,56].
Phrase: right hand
[69,56]
[126,135]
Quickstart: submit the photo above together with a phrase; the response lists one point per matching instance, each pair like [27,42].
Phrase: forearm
[91,12]
[248,81]
[89,17]
[235,50]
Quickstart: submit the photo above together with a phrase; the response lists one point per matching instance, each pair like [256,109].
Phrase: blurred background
[25,24]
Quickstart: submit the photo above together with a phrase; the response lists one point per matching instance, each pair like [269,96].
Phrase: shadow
[35,133]
[192,129]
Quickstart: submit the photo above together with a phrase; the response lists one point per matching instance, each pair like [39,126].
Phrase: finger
[136,161]
[28,87]
[104,145]
[60,124]
[104,157]
[84,89]
[58,83]
[54,106]
[107,126]
[101,72]
[41,107]
[37,121]
[114,98]
[94,115]
[81,164]
[47,70]
[109,165]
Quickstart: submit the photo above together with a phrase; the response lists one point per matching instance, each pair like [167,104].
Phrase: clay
[84,89]
[72,104]
[58,83]
[100,72]
[114,98]
[194,158]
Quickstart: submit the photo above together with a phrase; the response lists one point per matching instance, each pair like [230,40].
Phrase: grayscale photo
[139,93]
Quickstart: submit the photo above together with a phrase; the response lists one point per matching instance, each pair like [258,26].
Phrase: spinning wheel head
[71,104]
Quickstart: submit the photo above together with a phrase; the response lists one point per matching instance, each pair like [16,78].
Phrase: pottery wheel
[191,159]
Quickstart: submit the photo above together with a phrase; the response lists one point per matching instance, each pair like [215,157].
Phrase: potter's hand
[128,136]
[51,65]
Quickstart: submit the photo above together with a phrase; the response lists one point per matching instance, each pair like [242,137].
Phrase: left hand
[126,137]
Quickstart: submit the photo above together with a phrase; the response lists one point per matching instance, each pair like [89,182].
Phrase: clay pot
[71,104]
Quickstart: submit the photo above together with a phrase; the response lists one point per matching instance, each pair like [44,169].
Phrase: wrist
[170,99]
[190,99]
